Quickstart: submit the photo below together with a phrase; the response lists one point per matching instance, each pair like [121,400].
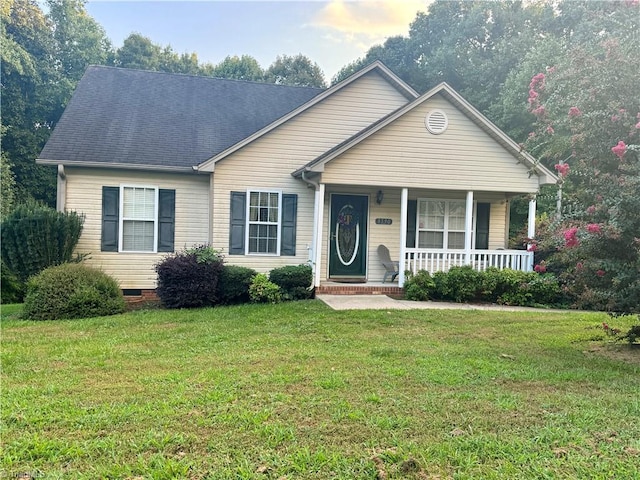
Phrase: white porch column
[531,227]
[317,248]
[468,226]
[404,201]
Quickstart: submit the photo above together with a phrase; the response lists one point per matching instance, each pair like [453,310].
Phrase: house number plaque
[383,221]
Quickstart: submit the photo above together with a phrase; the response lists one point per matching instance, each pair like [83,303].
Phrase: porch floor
[364,288]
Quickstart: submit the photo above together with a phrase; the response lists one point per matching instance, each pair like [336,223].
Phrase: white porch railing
[438,260]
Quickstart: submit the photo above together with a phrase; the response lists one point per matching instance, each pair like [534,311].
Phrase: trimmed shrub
[294,281]
[189,279]
[35,237]
[72,290]
[463,284]
[262,290]
[420,286]
[545,289]
[234,283]
[12,288]
[498,286]
[441,286]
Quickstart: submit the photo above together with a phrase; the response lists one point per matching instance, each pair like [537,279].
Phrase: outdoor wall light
[379,197]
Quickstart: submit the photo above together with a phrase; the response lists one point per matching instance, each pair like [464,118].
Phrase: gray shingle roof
[135,117]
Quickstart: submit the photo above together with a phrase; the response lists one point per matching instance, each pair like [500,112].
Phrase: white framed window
[138,221]
[441,224]
[264,220]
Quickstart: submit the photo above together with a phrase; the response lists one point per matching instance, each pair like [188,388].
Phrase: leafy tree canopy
[295,70]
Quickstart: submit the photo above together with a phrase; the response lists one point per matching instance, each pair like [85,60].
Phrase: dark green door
[348,241]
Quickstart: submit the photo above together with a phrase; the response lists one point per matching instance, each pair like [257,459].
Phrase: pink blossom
[539,111]
[594,228]
[540,268]
[551,69]
[600,273]
[562,168]
[615,118]
[532,248]
[570,237]
[532,134]
[574,112]
[620,149]
[638,125]
[550,130]
[579,266]
[537,80]
[591,209]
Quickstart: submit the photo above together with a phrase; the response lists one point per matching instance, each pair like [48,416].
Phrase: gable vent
[436,122]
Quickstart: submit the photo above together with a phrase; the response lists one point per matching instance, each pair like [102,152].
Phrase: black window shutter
[412,212]
[166,220]
[110,220]
[482,225]
[289,218]
[237,223]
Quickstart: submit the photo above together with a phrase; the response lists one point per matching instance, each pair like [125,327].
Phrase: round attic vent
[436,122]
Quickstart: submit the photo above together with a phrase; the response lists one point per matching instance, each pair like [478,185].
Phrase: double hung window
[139,214]
[441,223]
[264,222]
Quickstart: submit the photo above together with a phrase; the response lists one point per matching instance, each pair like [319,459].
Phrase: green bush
[545,289]
[12,288]
[72,290]
[234,283]
[463,284]
[294,280]
[420,286]
[500,285]
[35,237]
[441,287]
[189,279]
[262,290]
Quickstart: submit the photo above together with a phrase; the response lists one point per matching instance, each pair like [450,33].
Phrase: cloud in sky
[365,22]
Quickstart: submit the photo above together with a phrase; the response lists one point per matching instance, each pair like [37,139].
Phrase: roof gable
[545,175]
[124,117]
[376,66]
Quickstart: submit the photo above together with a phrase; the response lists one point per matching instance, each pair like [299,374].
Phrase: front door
[348,241]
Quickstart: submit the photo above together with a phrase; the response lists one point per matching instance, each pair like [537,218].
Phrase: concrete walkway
[382,302]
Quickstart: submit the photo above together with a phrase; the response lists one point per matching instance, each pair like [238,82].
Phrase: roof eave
[119,166]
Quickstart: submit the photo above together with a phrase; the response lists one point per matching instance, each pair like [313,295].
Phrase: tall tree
[28,53]
[44,58]
[138,52]
[239,68]
[296,70]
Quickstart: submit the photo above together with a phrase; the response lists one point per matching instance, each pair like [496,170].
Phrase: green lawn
[300,391]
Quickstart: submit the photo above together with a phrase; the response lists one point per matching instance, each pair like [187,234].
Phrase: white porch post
[531,226]
[468,226]
[404,200]
[317,248]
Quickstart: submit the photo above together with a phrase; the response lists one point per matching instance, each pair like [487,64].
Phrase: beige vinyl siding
[404,153]
[136,270]
[267,162]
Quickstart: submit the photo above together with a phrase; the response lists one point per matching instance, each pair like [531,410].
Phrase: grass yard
[298,391]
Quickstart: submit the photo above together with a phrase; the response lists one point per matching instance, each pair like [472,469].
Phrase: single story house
[277,175]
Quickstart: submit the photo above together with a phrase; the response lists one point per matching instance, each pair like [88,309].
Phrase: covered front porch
[469,228]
